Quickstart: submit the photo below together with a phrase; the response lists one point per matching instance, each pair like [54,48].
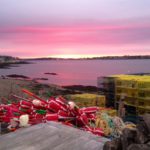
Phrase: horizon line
[83,57]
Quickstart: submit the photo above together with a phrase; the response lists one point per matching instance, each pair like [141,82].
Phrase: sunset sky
[74,28]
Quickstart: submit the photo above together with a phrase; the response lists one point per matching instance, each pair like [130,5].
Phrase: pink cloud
[91,37]
[79,34]
[73,28]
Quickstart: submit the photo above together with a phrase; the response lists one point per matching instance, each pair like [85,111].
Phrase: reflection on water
[83,72]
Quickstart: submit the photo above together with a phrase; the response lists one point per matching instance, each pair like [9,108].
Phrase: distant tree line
[97,58]
[124,57]
[8,57]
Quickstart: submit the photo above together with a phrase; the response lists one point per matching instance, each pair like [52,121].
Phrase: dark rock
[128,137]
[139,147]
[81,88]
[40,78]
[144,129]
[113,145]
[51,73]
[17,76]
[4,128]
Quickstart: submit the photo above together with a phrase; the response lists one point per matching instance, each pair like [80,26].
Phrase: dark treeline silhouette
[96,58]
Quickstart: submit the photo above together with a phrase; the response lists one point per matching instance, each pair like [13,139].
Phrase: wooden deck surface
[51,136]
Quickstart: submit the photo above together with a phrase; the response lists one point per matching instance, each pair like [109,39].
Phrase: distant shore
[126,57]
[8,65]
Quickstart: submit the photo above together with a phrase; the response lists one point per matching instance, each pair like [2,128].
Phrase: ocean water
[75,72]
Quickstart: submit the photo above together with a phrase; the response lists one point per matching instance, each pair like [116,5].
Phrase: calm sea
[73,72]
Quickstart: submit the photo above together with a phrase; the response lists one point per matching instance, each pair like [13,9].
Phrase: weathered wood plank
[51,136]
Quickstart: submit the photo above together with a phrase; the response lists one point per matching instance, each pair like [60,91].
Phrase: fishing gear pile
[33,111]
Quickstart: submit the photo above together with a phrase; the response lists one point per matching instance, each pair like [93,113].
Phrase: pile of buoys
[28,112]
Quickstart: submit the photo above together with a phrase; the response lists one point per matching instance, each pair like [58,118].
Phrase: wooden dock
[51,136]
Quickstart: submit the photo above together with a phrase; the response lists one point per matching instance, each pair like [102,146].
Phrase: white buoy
[24,120]
[36,102]
[72,104]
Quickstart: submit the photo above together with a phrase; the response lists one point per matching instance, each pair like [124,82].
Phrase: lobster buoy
[25,104]
[51,117]
[38,104]
[24,120]
[72,105]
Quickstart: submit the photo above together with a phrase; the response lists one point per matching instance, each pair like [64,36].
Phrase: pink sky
[39,32]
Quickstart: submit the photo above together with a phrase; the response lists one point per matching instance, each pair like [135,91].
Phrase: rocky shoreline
[9,85]
[8,65]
